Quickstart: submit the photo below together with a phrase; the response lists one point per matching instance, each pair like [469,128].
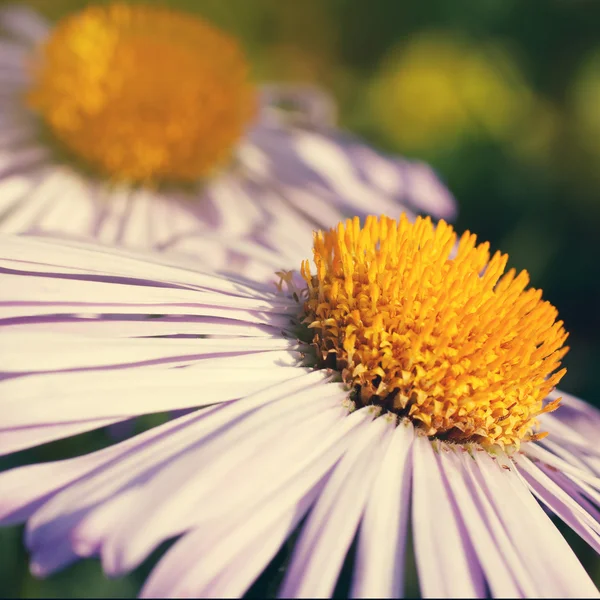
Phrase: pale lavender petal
[447,569]
[21,161]
[579,415]
[14,439]
[138,326]
[379,567]
[196,488]
[237,572]
[231,564]
[305,104]
[137,466]
[241,527]
[333,522]
[12,53]
[578,491]
[24,23]
[534,535]
[13,190]
[238,211]
[566,435]
[567,467]
[335,166]
[498,574]
[81,293]
[59,256]
[56,398]
[560,502]
[329,160]
[69,204]
[51,558]
[572,456]
[26,352]
[513,560]
[25,488]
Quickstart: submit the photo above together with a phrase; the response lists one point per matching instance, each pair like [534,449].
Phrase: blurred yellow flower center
[436,333]
[143,94]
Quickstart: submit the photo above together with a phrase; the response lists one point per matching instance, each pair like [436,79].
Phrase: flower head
[161,95]
[453,343]
[288,428]
[140,126]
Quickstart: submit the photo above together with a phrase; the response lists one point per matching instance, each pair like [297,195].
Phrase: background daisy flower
[140,126]
[399,381]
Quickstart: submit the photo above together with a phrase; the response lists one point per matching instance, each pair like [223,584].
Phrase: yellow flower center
[143,94]
[433,331]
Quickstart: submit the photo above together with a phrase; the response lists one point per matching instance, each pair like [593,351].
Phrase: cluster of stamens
[142,94]
[433,330]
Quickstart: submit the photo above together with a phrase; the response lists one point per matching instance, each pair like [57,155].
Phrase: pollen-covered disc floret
[142,94]
[432,331]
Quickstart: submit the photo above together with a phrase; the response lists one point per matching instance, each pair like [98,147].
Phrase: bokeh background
[501,96]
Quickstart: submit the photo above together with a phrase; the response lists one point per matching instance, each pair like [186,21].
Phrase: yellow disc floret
[433,330]
[143,94]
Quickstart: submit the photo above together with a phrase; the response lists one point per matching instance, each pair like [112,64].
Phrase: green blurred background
[501,96]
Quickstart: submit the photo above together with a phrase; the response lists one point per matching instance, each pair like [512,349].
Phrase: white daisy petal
[39,255]
[12,190]
[136,326]
[567,467]
[92,294]
[187,552]
[276,429]
[58,215]
[298,169]
[560,503]
[26,487]
[25,23]
[517,566]
[21,438]
[50,352]
[38,399]
[534,535]
[200,506]
[332,524]
[146,458]
[379,571]
[498,575]
[445,570]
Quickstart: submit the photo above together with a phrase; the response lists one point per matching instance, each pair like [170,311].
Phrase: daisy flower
[139,126]
[399,381]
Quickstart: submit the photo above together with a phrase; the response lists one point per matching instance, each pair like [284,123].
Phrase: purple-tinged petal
[46,560]
[25,488]
[570,469]
[14,439]
[514,562]
[195,489]
[138,326]
[379,567]
[497,572]
[333,522]
[25,352]
[534,536]
[445,558]
[240,528]
[145,460]
[24,23]
[52,398]
[310,106]
[560,502]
